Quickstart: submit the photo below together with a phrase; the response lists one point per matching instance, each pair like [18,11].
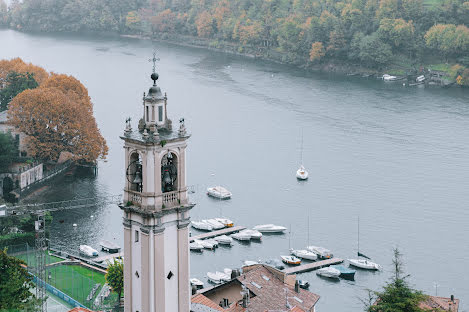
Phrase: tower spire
[154,75]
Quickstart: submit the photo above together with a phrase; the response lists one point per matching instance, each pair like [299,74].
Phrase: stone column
[145,248]
[127,265]
[183,267]
[159,276]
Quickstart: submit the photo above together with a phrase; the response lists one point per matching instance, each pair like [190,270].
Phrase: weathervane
[154,59]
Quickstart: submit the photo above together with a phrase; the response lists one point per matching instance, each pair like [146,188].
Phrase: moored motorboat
[345,272]
[200,225]
[224,240]
[303,284]
[214,223]
[420,78]
[364,264]
[214,277]
[322,252]
[241,236]
[205,243]
[225,221]
[270,228]
[387,77]
[228,272]
[219,192]
[212,241]
[88,251]
[197,283]
[195,246]
[301,173]
[291,260]
[109,246]
[304,254]
[253,233]
[328,272]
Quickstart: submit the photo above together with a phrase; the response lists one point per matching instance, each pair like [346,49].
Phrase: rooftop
[163,135]
[269,290]
[3,116]
[445,304]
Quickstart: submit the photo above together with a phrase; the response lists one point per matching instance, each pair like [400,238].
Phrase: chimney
[452,298]
[297,286]
[194,289]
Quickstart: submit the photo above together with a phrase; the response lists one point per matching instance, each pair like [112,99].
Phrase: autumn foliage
[56,117]
[317,51]
[19,66]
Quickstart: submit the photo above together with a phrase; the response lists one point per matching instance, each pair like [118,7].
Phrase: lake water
[396,157]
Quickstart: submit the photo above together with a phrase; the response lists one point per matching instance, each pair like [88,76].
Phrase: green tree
[374,52]
[15,285]
[115,276]
[397,295]
[15,84]
[8,151]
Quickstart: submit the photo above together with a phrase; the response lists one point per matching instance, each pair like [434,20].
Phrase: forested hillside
[368,33]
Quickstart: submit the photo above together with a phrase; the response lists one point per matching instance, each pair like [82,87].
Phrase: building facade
[156,211]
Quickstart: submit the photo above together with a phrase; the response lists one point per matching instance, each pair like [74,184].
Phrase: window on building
[153,113]
[136,236]
[148,114]
[160,113]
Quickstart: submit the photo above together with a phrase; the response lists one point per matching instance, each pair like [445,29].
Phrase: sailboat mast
[358,235]
[308,230]
[301,152]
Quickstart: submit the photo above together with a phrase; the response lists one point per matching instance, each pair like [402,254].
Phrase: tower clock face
[168,173]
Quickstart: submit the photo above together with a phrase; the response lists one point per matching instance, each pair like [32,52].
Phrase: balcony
[170,198]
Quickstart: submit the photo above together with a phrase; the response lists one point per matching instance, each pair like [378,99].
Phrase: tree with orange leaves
[19,66]
[58,117]
[317,51]
[204,23]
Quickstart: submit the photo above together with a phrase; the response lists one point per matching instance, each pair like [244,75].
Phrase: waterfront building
[19,136]
[156,210]
[260,288]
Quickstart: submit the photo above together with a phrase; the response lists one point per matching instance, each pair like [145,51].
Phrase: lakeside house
[19,136]
[260,288]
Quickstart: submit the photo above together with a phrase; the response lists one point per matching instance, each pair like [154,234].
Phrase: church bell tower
[156,210]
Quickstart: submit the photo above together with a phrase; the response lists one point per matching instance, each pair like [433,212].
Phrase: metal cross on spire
[154,59]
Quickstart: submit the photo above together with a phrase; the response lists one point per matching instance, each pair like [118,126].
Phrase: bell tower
[156,210]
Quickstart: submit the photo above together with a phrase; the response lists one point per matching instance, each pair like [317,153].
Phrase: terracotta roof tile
[201,299]
[440,303]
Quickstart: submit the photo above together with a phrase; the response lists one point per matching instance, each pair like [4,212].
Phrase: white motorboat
[301,173]
[215,224]
[224,277]
[225,221]
[328,272]
[224,240]
[228,272]
[212,241]
[304,254]
[364,264]
[214,277]
[204,243]
[241,236]
[219,192]
[197,283]
[253,233]
[420,78]
[195,246]
[291,260]
[270,228]
[88,251]
[250,262]
[109,246]
[387,77]
[200,225]
[322,252]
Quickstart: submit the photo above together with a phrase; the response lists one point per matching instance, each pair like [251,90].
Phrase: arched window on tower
[134,172]
[169,173]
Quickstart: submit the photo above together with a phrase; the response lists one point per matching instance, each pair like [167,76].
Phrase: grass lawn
[30,258]
[441,67]
[432,3]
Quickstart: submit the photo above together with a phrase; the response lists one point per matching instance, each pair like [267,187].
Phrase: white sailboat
[270,228]
[219,192]
[225,221]
[291,260]
[301,173]
[328,272]
[322,252]
[364,263]
[304,254]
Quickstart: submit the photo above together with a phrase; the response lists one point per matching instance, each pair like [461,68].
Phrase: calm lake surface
[396,157]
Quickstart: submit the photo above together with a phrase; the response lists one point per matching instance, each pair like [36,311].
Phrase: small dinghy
[225,221]
[322,252]
[301,173]
[387,77]
[420,78]
[250,262]
[241,236]
[364,264]
[197,283]
[304,254]
[291,260]
[204,243]
[200,225]
[328,272]
[88,251]
[345,272]
[109,246]
[270,228]
[219,192]
[195,246]
[215,224]
[303,284]
[214,277]
[224,240]
[253,233]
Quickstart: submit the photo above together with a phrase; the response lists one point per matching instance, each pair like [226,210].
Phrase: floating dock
[107,257]
[212,234]
[312,266]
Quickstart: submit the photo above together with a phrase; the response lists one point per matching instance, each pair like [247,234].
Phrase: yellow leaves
[317,51]
[19,66]
[204,23]
[58,117]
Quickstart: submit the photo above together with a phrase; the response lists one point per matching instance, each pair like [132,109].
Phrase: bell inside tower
[169,173]
[134,173]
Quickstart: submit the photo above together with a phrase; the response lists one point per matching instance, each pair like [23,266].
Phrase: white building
[156,212]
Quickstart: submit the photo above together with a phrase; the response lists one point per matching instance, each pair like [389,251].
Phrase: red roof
[201,299]
[442,303]
[78,309]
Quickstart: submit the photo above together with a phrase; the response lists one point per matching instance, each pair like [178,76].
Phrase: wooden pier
[312,266]
[212,234]
[108,257]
